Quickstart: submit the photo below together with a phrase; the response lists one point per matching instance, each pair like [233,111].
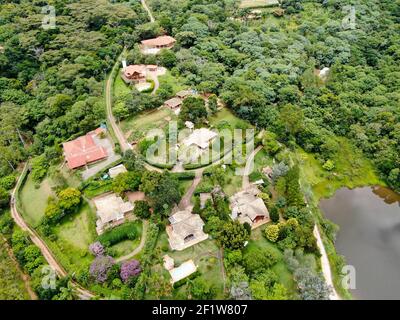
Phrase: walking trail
[144,4]
[249,167]
[139,248]
[25,278]
[326,268]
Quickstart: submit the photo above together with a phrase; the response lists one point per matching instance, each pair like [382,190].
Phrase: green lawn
[120,87]
[175,82]
[225,115]
[125,247]
[73,236]
[34,201]
[257,3]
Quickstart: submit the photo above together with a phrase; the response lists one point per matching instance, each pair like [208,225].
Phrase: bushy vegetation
[126,231]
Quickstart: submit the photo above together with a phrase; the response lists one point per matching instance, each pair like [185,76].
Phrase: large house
[200,138]
[153,46]
[84,150]
[247,207]
[111,211]
[185,230]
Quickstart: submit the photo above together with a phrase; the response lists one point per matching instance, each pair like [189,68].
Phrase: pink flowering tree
[130,269]
[97,249]
[100,268]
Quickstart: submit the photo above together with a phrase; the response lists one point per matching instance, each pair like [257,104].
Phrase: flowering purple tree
[97,249]
[100,268]
[130,269]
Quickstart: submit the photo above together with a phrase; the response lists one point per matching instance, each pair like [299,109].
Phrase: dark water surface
[369,238]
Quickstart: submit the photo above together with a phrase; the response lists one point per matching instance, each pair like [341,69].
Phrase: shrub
[142,209]
[100,268]
[118,234]
[272,233]
[7,182]
[274,214]
[97,249]
[130,269]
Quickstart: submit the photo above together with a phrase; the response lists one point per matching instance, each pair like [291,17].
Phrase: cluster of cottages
[185,229]
[139,73]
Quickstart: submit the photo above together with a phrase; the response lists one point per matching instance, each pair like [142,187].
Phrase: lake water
[369,238]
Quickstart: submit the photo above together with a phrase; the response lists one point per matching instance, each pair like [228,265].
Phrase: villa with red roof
[84,150]
[156,44]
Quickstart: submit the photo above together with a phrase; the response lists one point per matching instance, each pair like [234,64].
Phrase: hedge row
[127,231]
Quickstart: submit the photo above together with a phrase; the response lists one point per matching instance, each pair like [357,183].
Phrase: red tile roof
[82,151]
[159,41]
[136,68]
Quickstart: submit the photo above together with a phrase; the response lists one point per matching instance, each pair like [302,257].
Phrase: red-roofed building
[84,150]
[159,43]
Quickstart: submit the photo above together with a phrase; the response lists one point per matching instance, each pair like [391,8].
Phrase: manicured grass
[11,284]
[120,87]
[256,3]
[175,82]
[34,201]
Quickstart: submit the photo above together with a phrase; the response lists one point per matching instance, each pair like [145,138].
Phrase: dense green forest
[264,70]
[51,80]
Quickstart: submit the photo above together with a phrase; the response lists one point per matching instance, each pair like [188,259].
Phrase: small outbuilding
[115,171]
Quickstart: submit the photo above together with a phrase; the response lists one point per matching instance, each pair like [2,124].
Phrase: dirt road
[46,252]
[326,268]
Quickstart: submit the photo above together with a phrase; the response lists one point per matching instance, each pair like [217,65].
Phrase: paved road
[46,252]
[138,248]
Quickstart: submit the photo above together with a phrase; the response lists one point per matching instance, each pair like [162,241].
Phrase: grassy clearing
[225,115]
[257,3]
[120,87]
[169,80]
[34,200]
[73,237]
[139,125]
[352,170]
[11,284]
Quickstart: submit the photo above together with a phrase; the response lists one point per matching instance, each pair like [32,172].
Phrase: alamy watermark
[49,278]
[349,277]
[349,21]
[49,19]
